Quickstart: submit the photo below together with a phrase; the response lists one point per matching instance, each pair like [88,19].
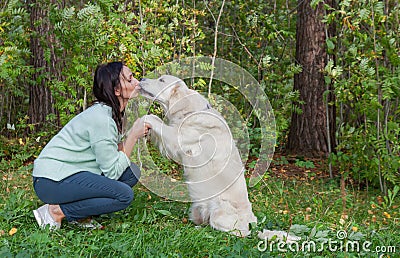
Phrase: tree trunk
[308,135]
[44,61]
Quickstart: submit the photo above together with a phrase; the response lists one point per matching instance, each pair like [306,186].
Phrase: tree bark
[308,135]
[44,62]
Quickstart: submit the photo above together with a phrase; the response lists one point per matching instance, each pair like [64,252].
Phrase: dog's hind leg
[199,214]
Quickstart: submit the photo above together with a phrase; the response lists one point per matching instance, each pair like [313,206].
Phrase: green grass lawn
[155,227]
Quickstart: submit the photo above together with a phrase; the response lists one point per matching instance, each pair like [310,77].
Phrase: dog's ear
[175,90]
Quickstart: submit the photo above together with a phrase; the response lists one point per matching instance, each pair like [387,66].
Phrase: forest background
[49,49]
[347,88]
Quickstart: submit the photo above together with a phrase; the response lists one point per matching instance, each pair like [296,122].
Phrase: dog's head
[161,89]
[173,94]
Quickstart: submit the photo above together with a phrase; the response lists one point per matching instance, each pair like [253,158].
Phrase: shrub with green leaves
[366,80]
[15,69]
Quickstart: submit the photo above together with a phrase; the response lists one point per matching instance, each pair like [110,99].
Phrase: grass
[155,227]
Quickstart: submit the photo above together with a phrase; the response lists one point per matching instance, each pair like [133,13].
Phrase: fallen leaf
[370,212]
[12,231]
[355,229]
[387,215]
[308,209]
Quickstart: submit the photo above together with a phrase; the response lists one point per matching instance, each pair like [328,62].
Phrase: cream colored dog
[198,137]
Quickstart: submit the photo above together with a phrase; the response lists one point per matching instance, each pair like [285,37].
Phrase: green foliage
[364,70]
[144,35]
[281,160]
[304,163]
[14,61]
[366,77]
[79,32]
[388,200]
[363,64]
[259,37]
[148,34]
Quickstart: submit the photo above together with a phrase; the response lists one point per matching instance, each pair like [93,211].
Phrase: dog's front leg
[164,136]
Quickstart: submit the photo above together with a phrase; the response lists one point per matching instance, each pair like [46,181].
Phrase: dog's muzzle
[145,93]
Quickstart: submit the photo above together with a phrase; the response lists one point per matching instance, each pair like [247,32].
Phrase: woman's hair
[106,80]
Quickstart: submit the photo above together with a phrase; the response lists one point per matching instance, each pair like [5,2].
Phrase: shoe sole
[38,218]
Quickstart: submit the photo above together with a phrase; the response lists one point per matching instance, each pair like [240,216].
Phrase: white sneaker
[43,218]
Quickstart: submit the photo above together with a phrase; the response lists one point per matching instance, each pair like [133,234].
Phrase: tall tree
[44,61]
[309,134]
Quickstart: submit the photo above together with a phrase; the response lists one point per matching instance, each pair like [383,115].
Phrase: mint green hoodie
[89,142]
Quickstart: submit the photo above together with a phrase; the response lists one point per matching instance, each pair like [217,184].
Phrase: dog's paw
[153,120]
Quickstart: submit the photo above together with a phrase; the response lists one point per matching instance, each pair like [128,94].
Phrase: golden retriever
[198,137]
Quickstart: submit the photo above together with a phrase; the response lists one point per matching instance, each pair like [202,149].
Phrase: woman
[84,170]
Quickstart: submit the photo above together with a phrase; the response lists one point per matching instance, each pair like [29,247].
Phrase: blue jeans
[86,194]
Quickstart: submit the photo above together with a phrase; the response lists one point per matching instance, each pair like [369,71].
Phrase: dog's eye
[161,80]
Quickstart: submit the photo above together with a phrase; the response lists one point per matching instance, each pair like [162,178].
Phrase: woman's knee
[131,175]
[127,196]
[136,172]
[45,189]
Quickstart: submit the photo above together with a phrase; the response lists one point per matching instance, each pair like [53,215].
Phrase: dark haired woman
[85,170]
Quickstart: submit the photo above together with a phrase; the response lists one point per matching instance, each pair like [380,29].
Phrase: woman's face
[129,85]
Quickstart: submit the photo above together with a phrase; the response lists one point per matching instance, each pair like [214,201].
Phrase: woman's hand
[138,130]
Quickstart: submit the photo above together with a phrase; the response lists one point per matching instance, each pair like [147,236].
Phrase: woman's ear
[117,91]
